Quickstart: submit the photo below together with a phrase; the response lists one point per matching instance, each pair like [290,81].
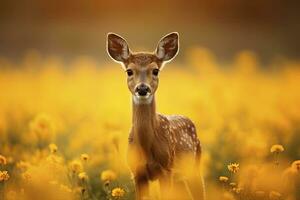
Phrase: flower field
[64,126]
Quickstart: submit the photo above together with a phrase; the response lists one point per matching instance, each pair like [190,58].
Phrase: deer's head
[142,68]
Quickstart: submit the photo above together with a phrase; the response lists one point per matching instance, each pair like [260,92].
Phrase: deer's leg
[141,188]
[196,182]
[141,184]
[165,183]
[195,186]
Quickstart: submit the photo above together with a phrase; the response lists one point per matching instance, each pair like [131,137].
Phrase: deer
[156,142]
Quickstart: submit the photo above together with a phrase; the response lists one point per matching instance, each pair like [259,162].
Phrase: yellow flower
[108,175]
[76,166]
[223,179]
[84,157]
[26,176]
[233,167]
[238,190]
[22,165]
[2,160]
[83,176]
[277,148]
[296,165]
[53,148]
[274,195]
[232,184]
[118,192]
[4,176]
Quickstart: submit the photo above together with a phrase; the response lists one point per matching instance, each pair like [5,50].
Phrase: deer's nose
[142,89]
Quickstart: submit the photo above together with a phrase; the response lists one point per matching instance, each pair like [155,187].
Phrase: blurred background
[65,110]
[71,28]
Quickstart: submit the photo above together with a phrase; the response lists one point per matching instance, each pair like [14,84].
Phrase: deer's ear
[117,47]
[168,47]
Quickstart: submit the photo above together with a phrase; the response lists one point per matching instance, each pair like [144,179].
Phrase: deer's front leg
[144,174]
[137,164]
[141,184]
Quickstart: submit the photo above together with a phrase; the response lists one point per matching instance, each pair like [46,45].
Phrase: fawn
[156,141]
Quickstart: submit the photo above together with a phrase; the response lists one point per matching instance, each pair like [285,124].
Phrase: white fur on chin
[142,99]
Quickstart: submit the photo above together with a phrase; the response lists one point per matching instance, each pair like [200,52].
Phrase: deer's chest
[157,150]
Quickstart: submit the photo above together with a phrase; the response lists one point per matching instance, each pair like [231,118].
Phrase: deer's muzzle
[142,90]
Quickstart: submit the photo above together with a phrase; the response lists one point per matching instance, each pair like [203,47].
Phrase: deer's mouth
[144,96]
[145,99]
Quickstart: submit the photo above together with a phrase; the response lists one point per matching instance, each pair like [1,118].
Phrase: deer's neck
[144,124]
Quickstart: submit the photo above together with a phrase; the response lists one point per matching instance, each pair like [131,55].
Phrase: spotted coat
[180,134]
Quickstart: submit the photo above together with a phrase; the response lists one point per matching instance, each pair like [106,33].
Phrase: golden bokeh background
[65,110]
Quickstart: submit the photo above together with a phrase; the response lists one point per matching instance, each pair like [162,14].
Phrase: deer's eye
[129,72]
[155,72]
